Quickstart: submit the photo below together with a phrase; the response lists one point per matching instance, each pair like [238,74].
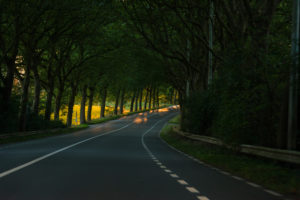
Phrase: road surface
[120,160]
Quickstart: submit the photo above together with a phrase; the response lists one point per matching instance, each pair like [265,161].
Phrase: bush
[249,108]
[232,124]
[243,106]
[37,122]
[8,118]
[199,112]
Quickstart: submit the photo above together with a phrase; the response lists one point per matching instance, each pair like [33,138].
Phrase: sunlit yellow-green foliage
[76,113]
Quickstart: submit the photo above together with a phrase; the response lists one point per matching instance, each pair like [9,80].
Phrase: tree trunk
[90,106]
[117,102]
[103,101]
[82,105]
[132,101]
[8,85]
[150,96]
[157,98]
[24,101]
[141,98]
[49,99]
[58,100]
[153,97]
[136,100]
[37,91]
[122,102]
[71,105]
[91,98]
[171,96]
[175,98]
[146,99]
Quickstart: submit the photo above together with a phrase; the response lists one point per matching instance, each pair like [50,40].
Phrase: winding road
[122,159]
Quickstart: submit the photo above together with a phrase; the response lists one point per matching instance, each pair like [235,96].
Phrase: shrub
[199,112]
[9,117]
[37,122]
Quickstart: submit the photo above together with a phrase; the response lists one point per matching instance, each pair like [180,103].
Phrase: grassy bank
[278,177]
[47,133]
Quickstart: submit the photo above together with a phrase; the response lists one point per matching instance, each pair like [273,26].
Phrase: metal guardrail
[275,154]
[266,152]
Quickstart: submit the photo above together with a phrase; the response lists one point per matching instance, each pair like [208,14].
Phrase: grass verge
[278,177]
[49,133]
[175,120]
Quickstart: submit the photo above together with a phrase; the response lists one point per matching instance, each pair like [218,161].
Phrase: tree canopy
[55,54]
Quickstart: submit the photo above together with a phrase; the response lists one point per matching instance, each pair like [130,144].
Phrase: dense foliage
[247,101]
[58,54]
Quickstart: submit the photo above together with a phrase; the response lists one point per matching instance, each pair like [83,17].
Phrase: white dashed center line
[174,175]
[202,198]
[182,182]
[192,190]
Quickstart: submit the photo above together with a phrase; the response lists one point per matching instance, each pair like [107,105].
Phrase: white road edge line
[5,173]
[237,178]
[253,184]
[273,193]
[214,168]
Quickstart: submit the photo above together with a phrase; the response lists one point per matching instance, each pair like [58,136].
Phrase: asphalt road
[120,160]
